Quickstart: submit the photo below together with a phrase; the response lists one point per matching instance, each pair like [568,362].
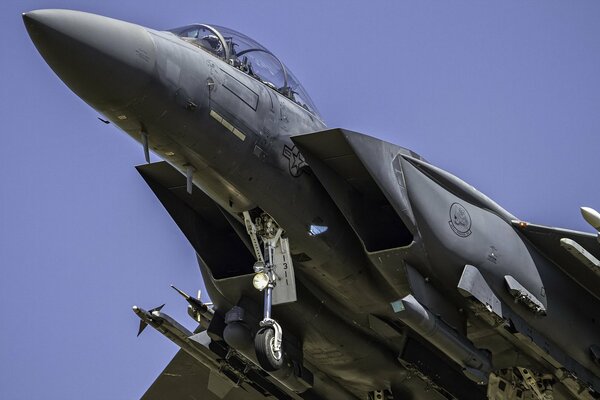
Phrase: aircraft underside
[339,266]
[339,353]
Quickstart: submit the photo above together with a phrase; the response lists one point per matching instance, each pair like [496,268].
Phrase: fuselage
[263,170]
[188,103]
[232,132]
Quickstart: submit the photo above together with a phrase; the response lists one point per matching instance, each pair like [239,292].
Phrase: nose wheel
[268,349]
[273,264]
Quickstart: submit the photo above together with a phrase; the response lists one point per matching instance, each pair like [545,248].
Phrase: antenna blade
[189,175]
[146,149]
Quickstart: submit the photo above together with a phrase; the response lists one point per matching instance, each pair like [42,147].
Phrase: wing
[205,368]
[216,236]
[548,241]
[185,378]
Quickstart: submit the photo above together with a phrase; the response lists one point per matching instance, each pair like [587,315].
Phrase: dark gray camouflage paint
[145,80]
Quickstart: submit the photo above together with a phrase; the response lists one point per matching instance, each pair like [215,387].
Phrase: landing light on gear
[273,265]
[260,281]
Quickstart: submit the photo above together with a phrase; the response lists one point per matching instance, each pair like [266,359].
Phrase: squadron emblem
[460,220]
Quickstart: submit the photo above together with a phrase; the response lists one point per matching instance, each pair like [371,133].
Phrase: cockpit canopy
[248,56]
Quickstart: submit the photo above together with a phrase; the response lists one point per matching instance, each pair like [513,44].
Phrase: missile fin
[143,326]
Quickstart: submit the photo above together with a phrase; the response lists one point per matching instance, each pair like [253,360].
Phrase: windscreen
[248,56]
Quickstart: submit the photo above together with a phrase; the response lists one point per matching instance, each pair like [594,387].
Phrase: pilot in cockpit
[248,56]
[211,43]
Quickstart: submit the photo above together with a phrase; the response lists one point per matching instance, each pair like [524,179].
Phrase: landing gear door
[285,287]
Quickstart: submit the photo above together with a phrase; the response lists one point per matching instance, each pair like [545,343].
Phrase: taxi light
[260,281]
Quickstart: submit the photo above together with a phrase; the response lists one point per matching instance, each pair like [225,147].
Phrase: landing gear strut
[273,265]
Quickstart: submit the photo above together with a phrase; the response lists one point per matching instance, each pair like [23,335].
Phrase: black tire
[263,344]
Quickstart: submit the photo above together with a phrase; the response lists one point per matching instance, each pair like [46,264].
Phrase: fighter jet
[339,266]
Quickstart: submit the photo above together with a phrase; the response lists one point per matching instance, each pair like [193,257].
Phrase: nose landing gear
[268,347]
[274,275]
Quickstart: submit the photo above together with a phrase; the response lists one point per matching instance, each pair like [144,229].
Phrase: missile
[145,317]
[476,363]
[196,345]
[584,256]
[196,309]
[196,303]
[592,217]
[164,324]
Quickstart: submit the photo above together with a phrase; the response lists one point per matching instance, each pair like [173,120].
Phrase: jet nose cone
[106,62]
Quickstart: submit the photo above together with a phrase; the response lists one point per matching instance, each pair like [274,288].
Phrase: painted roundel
[460,220]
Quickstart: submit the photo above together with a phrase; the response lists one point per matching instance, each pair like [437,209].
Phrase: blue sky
[506,95]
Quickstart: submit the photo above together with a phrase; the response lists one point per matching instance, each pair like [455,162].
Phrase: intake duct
[358,173]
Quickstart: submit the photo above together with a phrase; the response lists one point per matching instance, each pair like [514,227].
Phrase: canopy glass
[248,56]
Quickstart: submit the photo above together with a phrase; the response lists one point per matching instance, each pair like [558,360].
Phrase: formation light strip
[240,135]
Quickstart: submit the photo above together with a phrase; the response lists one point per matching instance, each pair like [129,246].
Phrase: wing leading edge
[554,243]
